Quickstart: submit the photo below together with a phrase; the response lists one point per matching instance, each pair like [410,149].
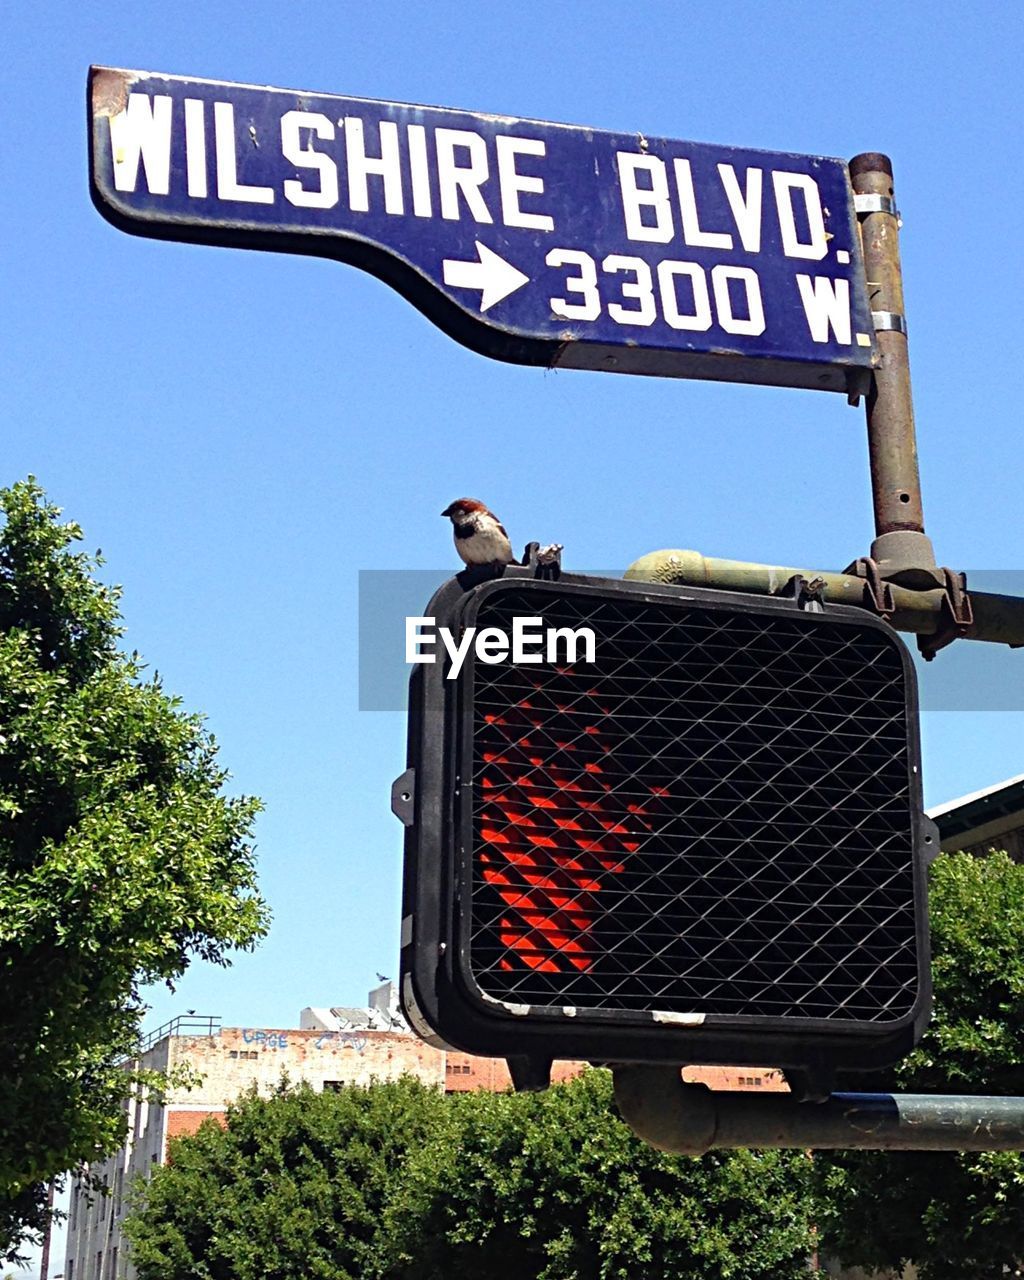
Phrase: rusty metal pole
[901,548]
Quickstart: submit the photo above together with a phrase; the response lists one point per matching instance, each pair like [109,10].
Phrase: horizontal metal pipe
[997,618]
[690,1119]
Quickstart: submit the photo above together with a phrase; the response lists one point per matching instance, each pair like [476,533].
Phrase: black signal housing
[706,846]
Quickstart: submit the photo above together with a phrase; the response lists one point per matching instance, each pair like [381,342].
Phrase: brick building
[330,1047]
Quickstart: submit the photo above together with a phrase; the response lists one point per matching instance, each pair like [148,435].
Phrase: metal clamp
[955,620]
[877,592]
[546,562]
[889,320]
[403,797]
[809,596]
[868,203]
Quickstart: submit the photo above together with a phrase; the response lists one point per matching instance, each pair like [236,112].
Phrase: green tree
[957,1216]
[297,1185]
[120,858]
[553,1186]
[398,1182]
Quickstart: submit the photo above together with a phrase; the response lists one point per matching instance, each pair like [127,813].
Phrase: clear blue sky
[241,433]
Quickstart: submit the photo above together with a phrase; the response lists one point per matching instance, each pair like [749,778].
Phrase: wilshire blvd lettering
[475,176]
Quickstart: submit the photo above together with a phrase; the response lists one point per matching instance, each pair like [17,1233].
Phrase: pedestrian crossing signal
[704,845]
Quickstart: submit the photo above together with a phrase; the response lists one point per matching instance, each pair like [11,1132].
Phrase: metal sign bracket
[865,203]
[955,619]
[807,594]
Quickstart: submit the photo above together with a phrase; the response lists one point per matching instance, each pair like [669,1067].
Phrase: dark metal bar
[900,546]
[690,1119]
[183,1025]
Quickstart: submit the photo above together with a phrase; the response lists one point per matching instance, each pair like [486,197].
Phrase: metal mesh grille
[712,818]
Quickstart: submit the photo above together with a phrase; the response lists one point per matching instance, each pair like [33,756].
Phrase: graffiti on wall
[343,1039]
[266,1039]
[356,1040]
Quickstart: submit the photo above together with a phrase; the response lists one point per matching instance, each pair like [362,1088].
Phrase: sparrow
[480,537]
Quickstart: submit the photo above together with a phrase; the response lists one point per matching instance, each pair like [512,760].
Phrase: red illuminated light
[550,828]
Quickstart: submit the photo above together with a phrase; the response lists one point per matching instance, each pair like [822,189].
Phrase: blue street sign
[538,243]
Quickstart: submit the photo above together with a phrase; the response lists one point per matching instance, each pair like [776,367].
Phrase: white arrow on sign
[492,275]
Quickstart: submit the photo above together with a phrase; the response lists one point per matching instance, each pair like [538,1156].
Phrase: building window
[112,1273]
[99,1264]
[70,1273]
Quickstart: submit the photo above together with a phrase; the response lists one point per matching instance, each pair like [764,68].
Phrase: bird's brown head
[461,508]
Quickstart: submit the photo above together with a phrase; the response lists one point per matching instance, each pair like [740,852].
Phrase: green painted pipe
[997,618]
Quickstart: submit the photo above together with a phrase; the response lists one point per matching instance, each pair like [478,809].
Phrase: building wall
[95,1249]
[182,1122]
[1005,834]
[239,1057]
[464,1072]
[744,1078]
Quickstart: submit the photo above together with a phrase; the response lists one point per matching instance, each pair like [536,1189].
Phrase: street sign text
[533,242]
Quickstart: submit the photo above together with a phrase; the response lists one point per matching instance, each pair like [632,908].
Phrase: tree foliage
[120,858]
[297,1185]
[398,1182]
[957,1216]
[24,1216]
[554,1186]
